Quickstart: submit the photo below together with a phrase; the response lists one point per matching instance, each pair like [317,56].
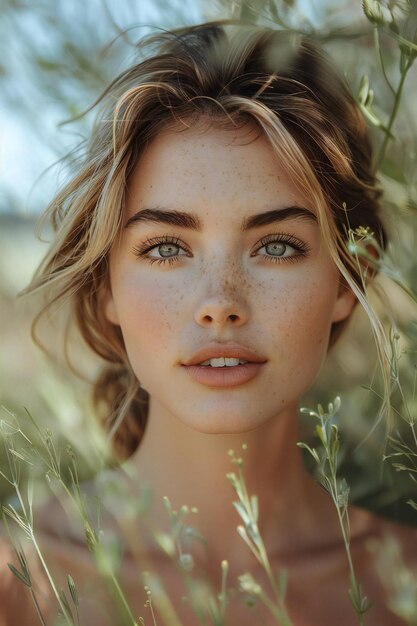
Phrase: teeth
[223,362]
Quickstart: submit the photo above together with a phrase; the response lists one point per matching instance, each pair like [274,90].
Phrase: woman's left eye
[280,247]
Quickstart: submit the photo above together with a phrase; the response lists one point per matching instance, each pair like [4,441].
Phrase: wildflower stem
[413,430]
[381,61]
[223,592]
[123,598]
[327,463]
[37,607]
[247,508]
[346,537]
[276,611]
[394,112]
[260,551]
[76,499]
[152,613]
[50,579]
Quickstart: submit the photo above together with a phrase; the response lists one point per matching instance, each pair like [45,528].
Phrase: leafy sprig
[326,458]
[248,510]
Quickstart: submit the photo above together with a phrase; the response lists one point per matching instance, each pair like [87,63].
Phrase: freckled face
[272,288]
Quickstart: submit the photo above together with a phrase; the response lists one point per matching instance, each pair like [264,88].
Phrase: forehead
[212,168]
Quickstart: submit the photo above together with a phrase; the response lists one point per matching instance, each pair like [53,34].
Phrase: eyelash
[301,247]
[148,245]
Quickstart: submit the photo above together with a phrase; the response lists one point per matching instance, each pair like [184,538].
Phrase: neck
[190,468]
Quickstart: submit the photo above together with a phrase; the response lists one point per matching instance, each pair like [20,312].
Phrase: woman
[202,247]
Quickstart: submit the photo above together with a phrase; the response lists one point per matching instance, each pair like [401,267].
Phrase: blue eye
[282,247]
[168,249]
[278,249]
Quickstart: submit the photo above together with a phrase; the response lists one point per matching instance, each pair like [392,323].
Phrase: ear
[345,302]
[109,306]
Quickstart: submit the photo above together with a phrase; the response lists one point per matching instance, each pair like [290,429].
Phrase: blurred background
[55,59]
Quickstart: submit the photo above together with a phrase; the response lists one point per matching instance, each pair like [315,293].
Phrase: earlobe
[345,303]
[110,308]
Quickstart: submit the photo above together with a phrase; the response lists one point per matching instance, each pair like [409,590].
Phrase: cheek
[299,316]
[147,311]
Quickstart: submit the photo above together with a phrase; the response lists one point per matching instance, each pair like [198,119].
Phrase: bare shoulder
[22,584]
[62,544]
[383,532]
[385,557]
[394,547]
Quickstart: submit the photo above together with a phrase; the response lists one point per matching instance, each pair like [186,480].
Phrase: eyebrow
[191,221]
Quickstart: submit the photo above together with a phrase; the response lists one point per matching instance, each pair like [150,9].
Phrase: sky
[31,141]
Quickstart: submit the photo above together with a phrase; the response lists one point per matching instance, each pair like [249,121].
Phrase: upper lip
[216,350]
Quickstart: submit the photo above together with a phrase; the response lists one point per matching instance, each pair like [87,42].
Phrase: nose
[225,305]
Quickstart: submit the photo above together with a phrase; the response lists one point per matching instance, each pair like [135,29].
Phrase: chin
[227,425]
[223,429]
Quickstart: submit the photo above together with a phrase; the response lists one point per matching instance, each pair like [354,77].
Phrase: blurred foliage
[55,59]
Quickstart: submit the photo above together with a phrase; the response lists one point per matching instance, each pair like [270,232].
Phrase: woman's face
[198,266]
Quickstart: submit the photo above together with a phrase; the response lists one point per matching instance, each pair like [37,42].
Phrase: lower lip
[224,376]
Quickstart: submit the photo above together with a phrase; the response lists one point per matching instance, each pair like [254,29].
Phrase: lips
[231,350]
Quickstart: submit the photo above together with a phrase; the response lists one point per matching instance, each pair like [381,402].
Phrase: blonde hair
[220,71]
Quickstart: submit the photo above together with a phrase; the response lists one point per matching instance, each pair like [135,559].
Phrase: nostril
[210,318]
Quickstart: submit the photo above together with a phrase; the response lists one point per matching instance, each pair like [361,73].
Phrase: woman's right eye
[167,250]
